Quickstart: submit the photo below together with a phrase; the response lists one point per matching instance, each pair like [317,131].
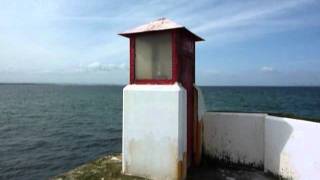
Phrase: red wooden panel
[186,76]
[154,81]
[132,57]
[174,57]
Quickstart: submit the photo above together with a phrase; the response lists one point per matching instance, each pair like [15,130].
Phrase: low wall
[283,146]
[292,148]
[237,137]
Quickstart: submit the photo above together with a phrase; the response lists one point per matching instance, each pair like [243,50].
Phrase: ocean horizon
[110,84]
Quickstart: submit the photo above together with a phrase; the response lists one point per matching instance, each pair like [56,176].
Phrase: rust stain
[198,144]
[184,165]
[182,168]
[179,170]
[198,130]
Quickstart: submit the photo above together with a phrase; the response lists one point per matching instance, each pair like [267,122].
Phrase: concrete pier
[109,168]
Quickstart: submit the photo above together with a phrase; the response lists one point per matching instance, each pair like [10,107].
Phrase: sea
[47,129]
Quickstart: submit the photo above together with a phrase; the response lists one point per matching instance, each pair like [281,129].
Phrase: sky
[269,43]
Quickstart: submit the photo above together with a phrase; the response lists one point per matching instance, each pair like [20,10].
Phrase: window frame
[174,60]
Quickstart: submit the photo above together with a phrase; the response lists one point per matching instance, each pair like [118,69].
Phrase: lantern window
[153,56]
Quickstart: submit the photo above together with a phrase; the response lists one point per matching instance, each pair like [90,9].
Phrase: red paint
[133,80]
[175,69]
[187,79]
[132,57]
[155,81]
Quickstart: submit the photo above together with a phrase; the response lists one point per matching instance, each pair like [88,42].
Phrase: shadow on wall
[277,135]
[247,139]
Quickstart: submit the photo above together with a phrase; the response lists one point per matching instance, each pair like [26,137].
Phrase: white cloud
[97,66]
[246,20]
[267,69]
[251,15]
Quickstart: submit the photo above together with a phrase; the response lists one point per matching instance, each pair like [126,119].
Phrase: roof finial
[162,19]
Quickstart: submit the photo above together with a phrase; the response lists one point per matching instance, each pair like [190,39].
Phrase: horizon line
[110,84]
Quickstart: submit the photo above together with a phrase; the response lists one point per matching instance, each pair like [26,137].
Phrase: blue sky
[75,41]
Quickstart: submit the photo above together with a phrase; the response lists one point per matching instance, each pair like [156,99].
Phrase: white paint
[236,136]
[154,130]
[292,148]
[284,146]
[201,104]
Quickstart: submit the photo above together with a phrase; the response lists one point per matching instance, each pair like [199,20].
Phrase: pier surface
[109,168]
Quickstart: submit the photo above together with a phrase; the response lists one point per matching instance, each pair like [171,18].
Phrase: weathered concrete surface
[218,173]
[286,147]
[235,137]
[292,148]
[154,141]
[105,168]
[109,168]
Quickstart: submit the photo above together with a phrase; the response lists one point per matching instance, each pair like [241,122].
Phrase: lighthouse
[160,102]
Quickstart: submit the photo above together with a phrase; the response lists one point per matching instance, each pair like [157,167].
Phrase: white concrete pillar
[154,131]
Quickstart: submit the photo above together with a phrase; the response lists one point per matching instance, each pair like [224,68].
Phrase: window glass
[153,57]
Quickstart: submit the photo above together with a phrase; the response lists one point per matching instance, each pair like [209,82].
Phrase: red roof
[158,25]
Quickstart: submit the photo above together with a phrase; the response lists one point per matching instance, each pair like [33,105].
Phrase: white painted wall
[292,148]
[284,146]
[201,104]
[237,137]
[154,130]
